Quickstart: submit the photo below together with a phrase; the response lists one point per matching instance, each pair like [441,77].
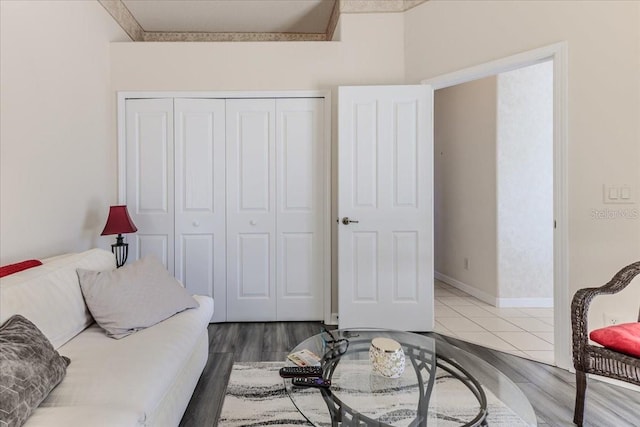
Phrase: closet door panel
[296,267]
[195,266]
[254,267]
[300,209]
[253,161]
[149,169]
[250,136]
[149,244]
[200,199]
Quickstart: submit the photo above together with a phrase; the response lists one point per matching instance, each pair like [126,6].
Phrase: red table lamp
[119,222]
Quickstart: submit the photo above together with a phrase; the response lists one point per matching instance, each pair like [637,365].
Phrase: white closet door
[300,209]
[251,246]
[149,168]
[200,253]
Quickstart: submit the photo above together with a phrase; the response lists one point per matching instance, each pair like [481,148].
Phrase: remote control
[311,382]
[300,371]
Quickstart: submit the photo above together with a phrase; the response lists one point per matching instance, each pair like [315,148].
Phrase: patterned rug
[256,397]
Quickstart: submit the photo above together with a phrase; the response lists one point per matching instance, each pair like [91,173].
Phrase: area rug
[256,397]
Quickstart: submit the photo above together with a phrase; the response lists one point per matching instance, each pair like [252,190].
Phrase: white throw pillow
[134,297]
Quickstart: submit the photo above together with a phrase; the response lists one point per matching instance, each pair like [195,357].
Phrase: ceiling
[240,20]
[232,16]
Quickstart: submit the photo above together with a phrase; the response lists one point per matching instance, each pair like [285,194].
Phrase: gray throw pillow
[134,297]
[29,369]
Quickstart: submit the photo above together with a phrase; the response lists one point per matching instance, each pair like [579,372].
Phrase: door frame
[558,53]
[123,96]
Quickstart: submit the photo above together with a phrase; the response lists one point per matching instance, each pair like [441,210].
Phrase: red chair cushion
[624,338]
[19,266]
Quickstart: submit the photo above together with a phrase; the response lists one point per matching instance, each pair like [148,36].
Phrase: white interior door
[200,228]
[385,178]
[300,209]
[251,212]
[149,183]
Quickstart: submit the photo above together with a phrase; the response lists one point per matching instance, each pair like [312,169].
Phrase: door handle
[347,221]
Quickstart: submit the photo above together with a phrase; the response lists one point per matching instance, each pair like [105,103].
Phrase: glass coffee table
[441,385]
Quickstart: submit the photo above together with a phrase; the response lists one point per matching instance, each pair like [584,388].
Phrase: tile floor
[525,332]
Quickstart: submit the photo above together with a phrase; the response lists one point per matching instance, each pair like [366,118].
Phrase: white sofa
[145,379]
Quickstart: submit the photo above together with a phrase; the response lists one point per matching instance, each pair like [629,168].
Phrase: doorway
[494,210]
[555,56]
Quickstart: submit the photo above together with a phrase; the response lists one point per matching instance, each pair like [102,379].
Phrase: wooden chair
[592,359]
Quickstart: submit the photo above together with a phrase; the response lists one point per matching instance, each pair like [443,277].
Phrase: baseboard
[494,301]
[474,292]
[334,319]
[524,302]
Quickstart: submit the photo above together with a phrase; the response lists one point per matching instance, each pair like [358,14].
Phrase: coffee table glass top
[441,385]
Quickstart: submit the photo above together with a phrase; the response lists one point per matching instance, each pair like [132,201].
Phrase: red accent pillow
[6,270]
[624,338]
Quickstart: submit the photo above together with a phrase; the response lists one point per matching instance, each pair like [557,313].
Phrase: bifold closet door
[200,229]
[275,209]
[251,214]
[300,209]
[149,186]
[230,195]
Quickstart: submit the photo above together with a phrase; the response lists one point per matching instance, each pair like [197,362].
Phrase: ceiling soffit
[310,21]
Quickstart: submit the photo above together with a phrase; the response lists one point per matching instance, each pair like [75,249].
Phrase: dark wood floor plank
[302,331]
[549,389]
[604,402]
[250,341]
[275,337]
[547,409]
[274,356]
[208,397]
[222,337]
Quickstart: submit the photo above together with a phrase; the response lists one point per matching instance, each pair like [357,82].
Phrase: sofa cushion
[49,295]
[134,373]
[94,416]
[624,338]
[134,297]
[29,369]
[6,270]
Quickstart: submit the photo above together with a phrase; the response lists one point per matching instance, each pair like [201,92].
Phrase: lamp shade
[119,221]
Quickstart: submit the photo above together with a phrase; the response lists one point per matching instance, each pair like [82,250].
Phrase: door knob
[347,221]
[196,224]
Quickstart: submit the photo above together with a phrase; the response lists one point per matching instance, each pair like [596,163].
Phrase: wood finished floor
[550,390]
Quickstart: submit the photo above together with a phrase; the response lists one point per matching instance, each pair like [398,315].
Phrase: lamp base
[120,250]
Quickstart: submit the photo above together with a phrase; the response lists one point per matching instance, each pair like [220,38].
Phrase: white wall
[370,51]
[465,186]
[603,101]
[524,150]
[57,152]
[57,178]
